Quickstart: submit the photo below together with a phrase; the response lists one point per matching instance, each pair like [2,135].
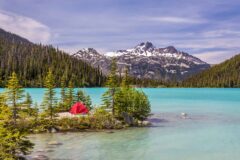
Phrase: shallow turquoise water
[210,133]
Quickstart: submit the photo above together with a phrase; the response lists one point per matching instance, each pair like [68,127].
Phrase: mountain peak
[89,50]
[171,49]
[147,61]
[145,46]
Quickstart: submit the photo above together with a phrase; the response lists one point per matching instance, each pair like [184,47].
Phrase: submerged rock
[54,143]
[144,123]
[50,150]
[184,115]
[40,150]
[40,157]
[109,132]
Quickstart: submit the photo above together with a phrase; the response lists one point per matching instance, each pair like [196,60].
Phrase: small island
[122,106]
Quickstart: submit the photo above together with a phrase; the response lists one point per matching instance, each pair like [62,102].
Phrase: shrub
[101,119]
[133,102]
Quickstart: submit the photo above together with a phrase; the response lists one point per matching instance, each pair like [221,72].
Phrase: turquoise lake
[211,131]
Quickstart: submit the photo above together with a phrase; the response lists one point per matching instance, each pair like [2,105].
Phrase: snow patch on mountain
[147,61]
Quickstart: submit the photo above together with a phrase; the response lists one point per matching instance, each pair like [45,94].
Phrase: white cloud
[215,57]
[169,19]
[221,33]
[209,43]
[25,27]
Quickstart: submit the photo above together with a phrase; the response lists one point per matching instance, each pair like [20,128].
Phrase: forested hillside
[31,62]
[226,74]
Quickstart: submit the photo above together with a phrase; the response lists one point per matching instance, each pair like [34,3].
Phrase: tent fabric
[79,108]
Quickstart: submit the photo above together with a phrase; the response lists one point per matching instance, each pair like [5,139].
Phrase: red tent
[78,108]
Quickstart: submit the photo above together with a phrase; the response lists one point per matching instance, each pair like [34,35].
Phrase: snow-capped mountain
[147,61]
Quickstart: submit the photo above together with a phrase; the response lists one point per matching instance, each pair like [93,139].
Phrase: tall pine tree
[13,141]
[49,95]
[112,84]
[14,95]
[63,93]
[70,95]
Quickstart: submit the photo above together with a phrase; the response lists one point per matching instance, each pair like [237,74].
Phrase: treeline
[145,82]
[31,63]
[226,75]
[18,116]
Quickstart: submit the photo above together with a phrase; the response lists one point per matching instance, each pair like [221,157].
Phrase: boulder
[127,118]
[146,123]
[184,115]
[143,123]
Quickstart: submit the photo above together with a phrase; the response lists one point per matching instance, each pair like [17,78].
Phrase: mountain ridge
[225,74]
[147,61]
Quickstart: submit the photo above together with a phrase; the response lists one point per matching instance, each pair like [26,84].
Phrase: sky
[207,29]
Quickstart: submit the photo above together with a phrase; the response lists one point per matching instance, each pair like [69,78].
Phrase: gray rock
[55,143]
[40,157]
[146,123]
[147,61]
[184,115]
[127,118]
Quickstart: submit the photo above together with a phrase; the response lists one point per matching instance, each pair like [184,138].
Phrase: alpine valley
[147,61]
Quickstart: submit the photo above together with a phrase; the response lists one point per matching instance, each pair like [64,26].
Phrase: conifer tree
[28,104]
[28,101]
[13,142]
[36,111]
[112,84]
[122,96]
[83,97]
[63,93]
[49,95]
[14,95]
[130,100]
[125,80]
[70,95]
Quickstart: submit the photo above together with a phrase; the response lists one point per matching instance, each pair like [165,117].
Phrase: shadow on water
[157,120]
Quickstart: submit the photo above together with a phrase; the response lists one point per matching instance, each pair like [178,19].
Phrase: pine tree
[36,111]
[122,97]
[112,84]
[28,101]
[63,94]
[125,80]
[28,104]
[13,142]
[49,95]
[70,95]
[83,97]
[14,95]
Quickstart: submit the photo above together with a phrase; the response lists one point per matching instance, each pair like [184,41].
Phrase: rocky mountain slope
[147,61]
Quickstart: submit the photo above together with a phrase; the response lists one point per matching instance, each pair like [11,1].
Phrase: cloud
[181,20]
[208,43]
[25,27]
[221,33]
[215,57]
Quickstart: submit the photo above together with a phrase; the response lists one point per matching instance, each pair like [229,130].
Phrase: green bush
[101,119]
[133,102]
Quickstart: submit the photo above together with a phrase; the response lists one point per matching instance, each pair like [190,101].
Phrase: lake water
[210,133]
